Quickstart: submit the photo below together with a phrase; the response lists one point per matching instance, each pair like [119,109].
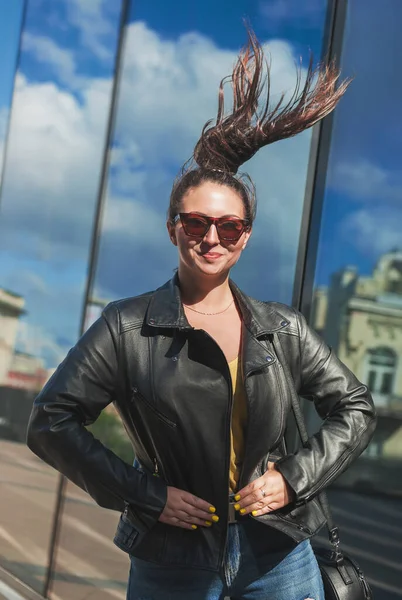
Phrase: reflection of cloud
[307,13]
[373,231]
[91,18]
[48,204]
[364,180]
[46,50]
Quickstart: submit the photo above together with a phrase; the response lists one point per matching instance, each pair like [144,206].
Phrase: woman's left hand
[265,494]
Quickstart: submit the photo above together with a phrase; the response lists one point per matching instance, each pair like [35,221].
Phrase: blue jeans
[251,572]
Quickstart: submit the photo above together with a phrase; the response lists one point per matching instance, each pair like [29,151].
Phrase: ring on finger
[263,492]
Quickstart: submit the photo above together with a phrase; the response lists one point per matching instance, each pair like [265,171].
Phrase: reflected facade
[69,174]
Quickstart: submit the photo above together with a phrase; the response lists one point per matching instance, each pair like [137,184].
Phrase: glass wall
[175,56]
[50,186]
[357,303]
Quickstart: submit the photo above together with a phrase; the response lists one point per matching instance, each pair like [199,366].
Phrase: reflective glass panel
[175,56]
[50,185]
[358,285]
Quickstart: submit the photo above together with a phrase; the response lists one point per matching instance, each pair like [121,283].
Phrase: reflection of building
[26,372]
[361,318]
[11,308]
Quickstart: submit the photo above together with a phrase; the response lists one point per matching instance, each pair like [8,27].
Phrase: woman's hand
[268,492]
[185,510]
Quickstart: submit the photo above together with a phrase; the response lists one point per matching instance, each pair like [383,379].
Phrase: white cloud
[374,231]
[44,49]
[91,18]
[363,180]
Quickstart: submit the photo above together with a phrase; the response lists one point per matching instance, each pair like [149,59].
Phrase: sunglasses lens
[196,226]
[230,230]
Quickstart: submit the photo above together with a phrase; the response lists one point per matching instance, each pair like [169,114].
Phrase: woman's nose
[212,237]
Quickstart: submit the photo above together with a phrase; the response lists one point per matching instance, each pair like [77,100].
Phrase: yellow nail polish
[212,509]
[237,506]
[237,497]
[254,513]
[208,523]
[193,526]
[242,511]
[215,519]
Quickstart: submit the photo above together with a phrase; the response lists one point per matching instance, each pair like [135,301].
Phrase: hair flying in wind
[252,124]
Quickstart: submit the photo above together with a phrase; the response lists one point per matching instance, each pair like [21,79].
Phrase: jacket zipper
[222,557]
[156,412]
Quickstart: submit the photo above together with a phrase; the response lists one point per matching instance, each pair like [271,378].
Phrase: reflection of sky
[363,210]
[173,62]
[10,23]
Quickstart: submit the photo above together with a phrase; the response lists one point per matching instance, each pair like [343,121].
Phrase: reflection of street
[89,566]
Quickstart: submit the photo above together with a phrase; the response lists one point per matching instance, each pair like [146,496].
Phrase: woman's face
[208,255]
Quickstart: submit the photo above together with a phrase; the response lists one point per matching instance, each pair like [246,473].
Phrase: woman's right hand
[185,510]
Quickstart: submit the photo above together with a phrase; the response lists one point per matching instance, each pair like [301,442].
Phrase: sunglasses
[229,229]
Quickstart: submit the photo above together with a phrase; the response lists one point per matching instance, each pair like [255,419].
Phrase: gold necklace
[209,314]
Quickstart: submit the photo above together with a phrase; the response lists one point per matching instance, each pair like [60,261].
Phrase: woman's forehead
[214,200]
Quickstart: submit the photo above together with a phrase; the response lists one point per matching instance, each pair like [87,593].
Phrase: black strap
[333,532]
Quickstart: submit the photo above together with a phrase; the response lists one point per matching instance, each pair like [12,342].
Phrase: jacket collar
[166,310]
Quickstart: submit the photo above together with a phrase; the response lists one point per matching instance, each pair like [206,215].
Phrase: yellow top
[238,425]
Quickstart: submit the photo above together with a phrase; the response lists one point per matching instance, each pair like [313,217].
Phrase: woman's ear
[172,232]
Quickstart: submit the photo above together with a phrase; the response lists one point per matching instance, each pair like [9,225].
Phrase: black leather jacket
[171,385]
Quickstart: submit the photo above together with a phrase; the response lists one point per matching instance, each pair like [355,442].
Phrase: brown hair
[234,138]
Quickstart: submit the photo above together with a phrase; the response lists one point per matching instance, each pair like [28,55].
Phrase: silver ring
[263,492]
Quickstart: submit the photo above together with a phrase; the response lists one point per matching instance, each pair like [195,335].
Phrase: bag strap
[333,532]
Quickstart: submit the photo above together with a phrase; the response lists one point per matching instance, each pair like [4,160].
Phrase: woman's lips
[211,255]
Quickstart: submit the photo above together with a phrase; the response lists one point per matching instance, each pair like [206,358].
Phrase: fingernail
[237,497]
[237,506]
[215,519]
[193,526]
[242,511]
[212,509]
[254,513]
[208,523]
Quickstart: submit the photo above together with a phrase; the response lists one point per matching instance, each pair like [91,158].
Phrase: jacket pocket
[126,534]
[137,396]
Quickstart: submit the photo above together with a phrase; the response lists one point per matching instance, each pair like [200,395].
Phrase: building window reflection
[381,366]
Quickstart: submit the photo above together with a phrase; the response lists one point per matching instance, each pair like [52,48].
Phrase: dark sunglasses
[229,229]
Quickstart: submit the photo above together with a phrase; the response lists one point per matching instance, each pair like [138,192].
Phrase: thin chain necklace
[209,314]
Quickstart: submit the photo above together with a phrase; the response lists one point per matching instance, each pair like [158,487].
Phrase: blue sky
[174,60]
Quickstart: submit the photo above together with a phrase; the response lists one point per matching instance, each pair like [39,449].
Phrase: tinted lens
[230,230]
[196,226]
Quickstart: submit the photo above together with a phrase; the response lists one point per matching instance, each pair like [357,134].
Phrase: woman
[216,503]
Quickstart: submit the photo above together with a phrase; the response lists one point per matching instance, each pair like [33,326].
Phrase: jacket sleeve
[348,414]
[82,386]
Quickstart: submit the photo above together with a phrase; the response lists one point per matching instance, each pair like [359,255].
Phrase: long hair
[253,123]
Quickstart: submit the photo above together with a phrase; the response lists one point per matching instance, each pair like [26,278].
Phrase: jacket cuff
[145,509]
[289,468]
